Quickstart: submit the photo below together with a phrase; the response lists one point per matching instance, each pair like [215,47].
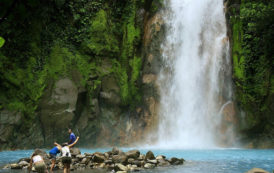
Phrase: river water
[197,161]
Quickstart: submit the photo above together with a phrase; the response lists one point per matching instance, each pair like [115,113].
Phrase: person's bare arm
[30,165]
[71,145]
[58,145]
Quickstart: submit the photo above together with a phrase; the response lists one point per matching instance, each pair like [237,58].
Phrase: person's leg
[65,168]
[68,171]
[52,164]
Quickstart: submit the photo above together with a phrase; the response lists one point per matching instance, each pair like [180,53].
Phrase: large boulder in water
[23,163]
[75,151]
[27,159]
[99,157]
[150,155]
[149,166]
[133,154]
[116,151]
[120,167]
[121,158]
[15,166]
[176,161]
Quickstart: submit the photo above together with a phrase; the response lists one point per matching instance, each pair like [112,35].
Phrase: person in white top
[65,154]
[38,162]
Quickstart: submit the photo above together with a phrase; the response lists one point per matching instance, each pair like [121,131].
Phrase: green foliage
[131,35]
[100,40]
[129,63]
[135,65]
[156,5]
[237,47]
[56,62]
[122,78]
[2,42]
[253,34]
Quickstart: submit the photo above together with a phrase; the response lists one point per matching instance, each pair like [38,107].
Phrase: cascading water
[195,81]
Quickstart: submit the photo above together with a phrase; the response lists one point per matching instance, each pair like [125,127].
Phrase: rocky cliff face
[99,105]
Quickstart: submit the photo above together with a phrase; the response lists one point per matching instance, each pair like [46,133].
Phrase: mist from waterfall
[195,80]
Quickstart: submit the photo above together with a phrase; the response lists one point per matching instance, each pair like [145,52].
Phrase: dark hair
[36,152]
[64,144]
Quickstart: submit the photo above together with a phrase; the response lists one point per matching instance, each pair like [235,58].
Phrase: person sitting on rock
[38,162]
[66,155]
[72,136]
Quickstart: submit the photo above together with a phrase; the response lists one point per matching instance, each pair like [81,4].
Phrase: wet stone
[149,156]
[115,160]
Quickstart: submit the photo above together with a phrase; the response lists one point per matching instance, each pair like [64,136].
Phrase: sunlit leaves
[2,41]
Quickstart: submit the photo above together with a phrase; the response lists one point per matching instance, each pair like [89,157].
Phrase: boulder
[133,154]
[102,165]
[130,160]
[162,162]
[99,158]
[111,167]
[149,166]
[133,168]
[138,163]
[80,157]
[121,158]
[115,151]
[120,167]
[73,160]
[176,161]
[27,159]
[257,170]
[15,166]
[108,161]
[160,157]
[121,172]
[149,156]
[23,163]
[84,161]
[141,157]
[75,151]
[88,154]
[6,166]
[106,154]
[152,161]
[60,165]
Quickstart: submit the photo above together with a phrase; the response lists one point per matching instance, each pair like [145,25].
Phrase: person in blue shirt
[53,153]
[72,137]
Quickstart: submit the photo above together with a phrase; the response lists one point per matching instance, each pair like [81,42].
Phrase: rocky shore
[114,161]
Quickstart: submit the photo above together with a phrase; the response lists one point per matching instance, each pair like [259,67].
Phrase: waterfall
[195,80]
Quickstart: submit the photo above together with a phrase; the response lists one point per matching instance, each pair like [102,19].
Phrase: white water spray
[195,80]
